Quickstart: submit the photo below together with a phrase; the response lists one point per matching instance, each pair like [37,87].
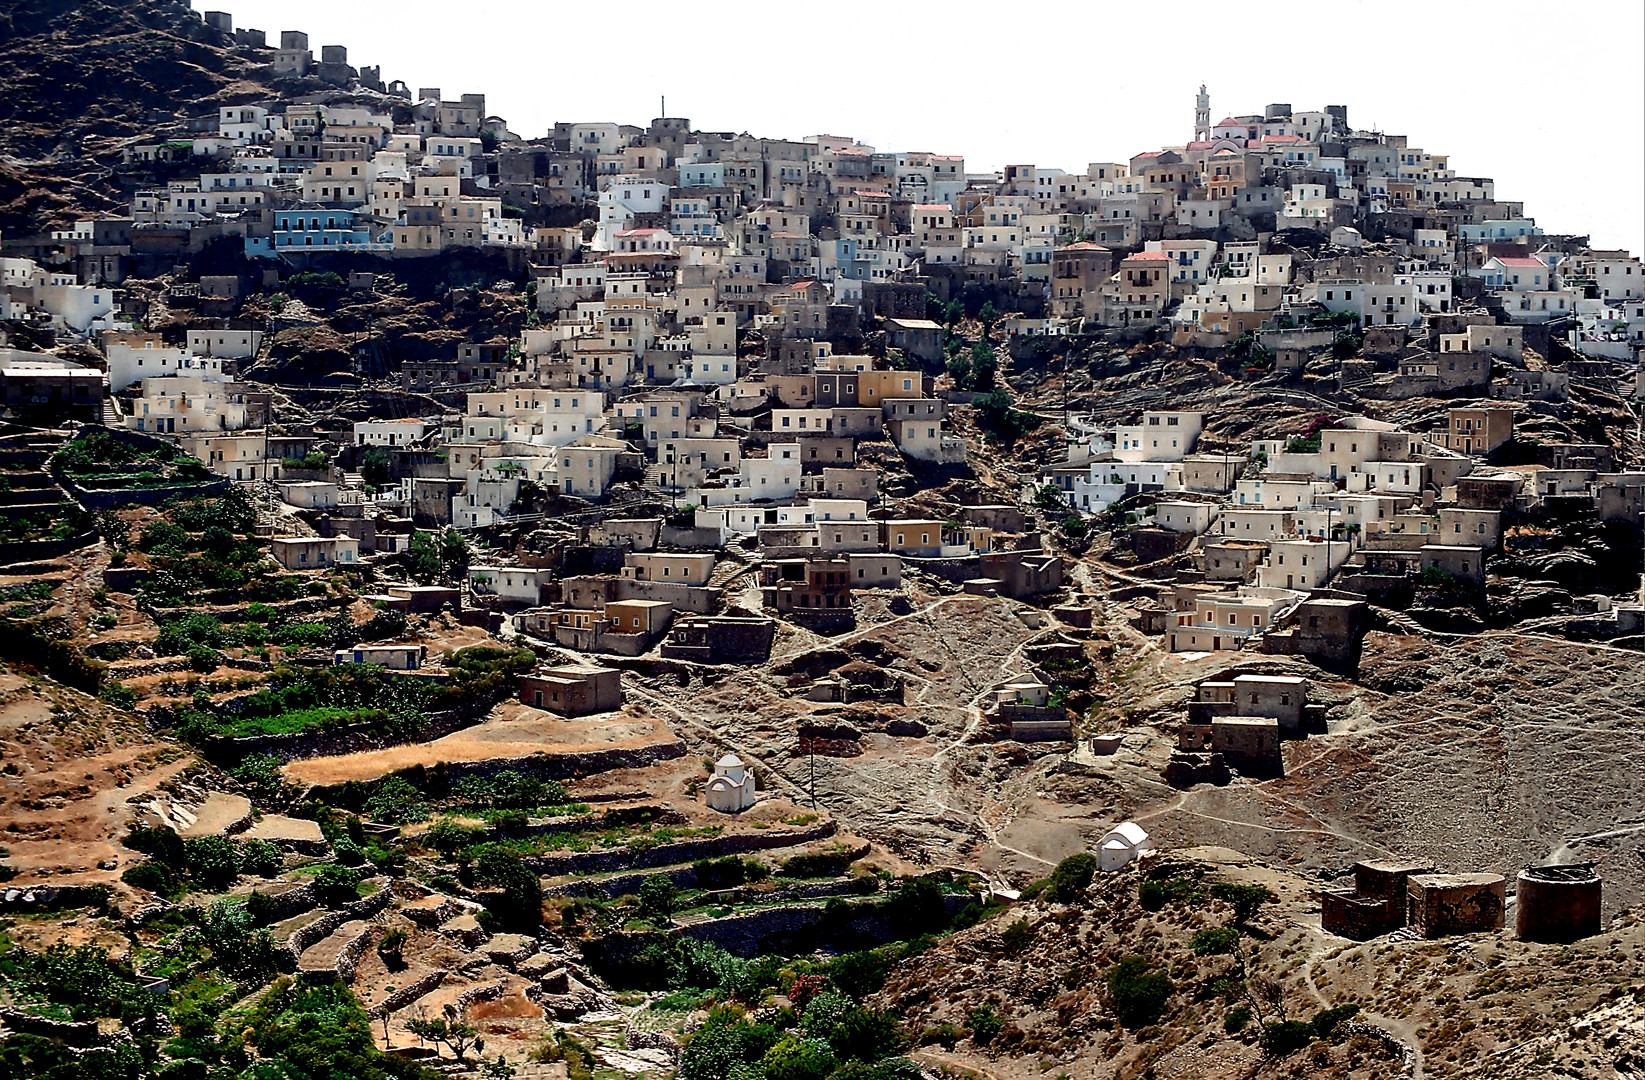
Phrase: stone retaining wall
[71,1033]
[684,851]
[305,937]
[30,550]
[293,902]
[640,1039]
[351,953]
[406,995]
[685,877]
[490,992]
[350,739]
[113,498]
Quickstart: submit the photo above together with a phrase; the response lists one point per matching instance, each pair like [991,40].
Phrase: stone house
[573,690]
[1440,904]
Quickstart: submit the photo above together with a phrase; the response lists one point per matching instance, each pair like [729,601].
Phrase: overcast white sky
[1548,99]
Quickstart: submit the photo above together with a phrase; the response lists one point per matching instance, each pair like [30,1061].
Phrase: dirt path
[1403,1030]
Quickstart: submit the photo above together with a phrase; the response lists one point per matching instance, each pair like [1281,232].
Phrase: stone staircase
[1397,622]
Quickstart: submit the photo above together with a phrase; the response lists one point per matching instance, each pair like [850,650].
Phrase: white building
[731,789]
[1123,844]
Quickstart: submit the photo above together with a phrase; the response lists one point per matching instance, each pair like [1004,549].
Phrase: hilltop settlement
[634,600]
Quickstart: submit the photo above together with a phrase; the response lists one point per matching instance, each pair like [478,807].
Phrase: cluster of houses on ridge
[1293,530]
[827,247]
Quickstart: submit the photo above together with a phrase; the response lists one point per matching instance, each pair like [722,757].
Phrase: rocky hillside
[1152,971]
[83,78]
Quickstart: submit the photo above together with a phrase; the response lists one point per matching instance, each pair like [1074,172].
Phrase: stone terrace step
[337,952]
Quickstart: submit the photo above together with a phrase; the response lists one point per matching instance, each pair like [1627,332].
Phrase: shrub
[805,988]
[1137,992]
[1245,899]
[448,838]
[237,946]
[865,1035]
[799,1059]
[151,876]
[1286,1037]
[121,697]
[1326,1021]
[260,773]
[520,904]
[335,886]
[1154,894]
[1237,1018]
[261,858]
[943,1035]
[985,1024]
[916,908]
[395,801]
[726,873]
[212,861]
[262,908]
[1071,877]
[861,974]
[1216,941]
[701,965]
[1017,936]
[389,948]
[816,865]
[161,844]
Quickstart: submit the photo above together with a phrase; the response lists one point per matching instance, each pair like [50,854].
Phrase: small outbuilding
[1122,845]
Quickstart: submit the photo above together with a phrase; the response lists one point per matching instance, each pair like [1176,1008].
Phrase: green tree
[520,904]
[374,467]
[988,316]
[423,561]
[450,1031]
[237,945]
[984,366]
[454,554]
[448,838]
[658,898]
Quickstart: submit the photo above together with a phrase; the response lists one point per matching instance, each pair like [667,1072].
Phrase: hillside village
[647,601]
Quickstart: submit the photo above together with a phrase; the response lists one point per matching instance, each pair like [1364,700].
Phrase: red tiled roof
[1148,256]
